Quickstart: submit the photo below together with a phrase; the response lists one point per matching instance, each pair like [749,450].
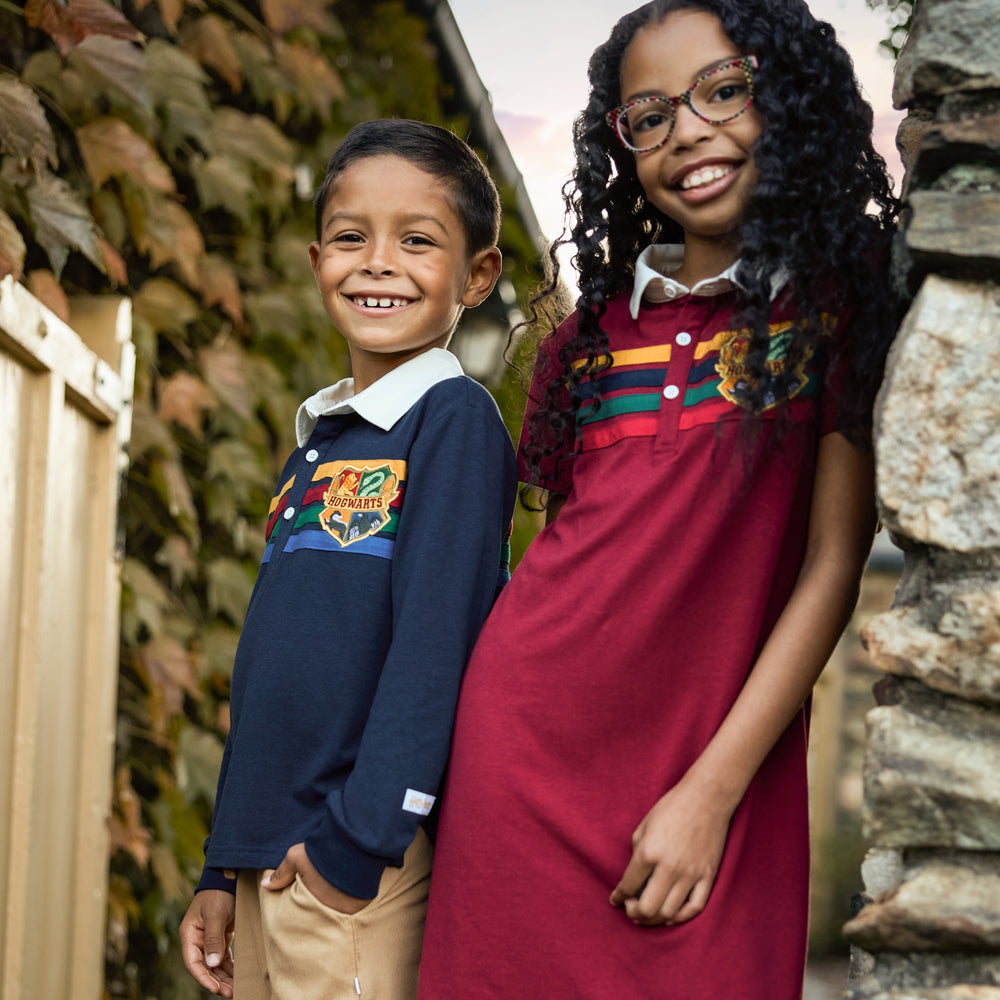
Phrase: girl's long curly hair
[819,175]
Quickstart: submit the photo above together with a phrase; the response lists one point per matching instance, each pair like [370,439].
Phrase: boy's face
[391,264]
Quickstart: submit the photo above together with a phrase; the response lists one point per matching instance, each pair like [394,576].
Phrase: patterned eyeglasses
[718,96]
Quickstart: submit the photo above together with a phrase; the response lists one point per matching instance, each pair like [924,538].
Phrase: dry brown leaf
[171,10]
[125,825]
[69,22]
[46,288]
[184,398]
[283,15]
[112,64]
[209,41]
[170,671]
[167,233]
[111,149]
[219,286]
[25,132]
[114,263]
[12,248]
[225,370]
[316,81]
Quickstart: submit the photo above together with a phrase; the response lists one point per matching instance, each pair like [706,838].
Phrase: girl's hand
[676,851]
[297,861]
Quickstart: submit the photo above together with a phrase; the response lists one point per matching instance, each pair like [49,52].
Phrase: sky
[532,57]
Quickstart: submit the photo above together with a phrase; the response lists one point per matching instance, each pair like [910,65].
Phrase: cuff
[342,863]
[212,878]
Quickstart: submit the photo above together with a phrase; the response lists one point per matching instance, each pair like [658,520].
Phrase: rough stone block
[956,231]
[948,904]
[924,976]
[951,642]
[932,772]
[937,436]
[934,147]
[944,993]
[952,46]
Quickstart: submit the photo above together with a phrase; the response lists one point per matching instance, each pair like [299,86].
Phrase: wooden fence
[65,395]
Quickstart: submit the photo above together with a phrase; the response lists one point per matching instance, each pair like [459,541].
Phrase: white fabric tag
[417,802]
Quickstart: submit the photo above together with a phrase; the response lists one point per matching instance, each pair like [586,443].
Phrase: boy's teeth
[376,303]
[706,176]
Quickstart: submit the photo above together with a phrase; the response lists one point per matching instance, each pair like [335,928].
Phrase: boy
[385,548]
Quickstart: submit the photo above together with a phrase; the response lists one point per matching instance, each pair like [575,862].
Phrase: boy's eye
[347,238]
[417,240]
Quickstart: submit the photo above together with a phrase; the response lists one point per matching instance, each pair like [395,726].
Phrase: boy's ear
[314,258]
[484,269]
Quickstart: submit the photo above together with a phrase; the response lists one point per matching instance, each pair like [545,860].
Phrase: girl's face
[702,177]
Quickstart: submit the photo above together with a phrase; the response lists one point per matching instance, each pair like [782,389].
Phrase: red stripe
[617,428]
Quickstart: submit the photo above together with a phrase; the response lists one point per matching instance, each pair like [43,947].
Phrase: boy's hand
[676,851]
[206,930]
[296,860]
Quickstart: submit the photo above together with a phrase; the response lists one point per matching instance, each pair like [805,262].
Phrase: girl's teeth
[706,176]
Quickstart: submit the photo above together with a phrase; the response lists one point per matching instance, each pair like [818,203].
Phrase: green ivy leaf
[199,757]
[230,584]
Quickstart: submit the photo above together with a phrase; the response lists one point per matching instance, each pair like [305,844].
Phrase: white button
[671,392]
[684,339]
[311,455]
[289,513]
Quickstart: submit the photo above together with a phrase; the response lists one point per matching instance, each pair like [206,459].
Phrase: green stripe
[639,403]
[707,390]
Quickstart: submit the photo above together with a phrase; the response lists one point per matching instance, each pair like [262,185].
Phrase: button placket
[675,382]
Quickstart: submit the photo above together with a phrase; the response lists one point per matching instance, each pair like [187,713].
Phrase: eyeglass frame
[614,116]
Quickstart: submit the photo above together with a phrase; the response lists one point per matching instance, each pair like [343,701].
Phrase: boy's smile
[392,266]
[702,177]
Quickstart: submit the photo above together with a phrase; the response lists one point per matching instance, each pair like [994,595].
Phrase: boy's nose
[378,260]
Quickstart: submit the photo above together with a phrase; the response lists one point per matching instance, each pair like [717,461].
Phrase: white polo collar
[384,401]
[654,284]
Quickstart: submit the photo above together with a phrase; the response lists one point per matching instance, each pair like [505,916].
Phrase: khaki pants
[289,946]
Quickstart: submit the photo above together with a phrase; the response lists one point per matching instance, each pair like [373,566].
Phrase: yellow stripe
[636,356]
[724,336]
[284,489]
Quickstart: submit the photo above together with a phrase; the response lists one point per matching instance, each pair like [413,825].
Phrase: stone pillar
[932,769]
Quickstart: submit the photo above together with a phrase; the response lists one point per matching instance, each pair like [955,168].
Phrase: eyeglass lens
[718,97]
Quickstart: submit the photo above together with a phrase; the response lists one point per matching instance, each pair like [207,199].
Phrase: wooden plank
[44,342]
[45,401]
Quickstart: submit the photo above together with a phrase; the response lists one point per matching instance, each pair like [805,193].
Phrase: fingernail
[212,961]
[266,880]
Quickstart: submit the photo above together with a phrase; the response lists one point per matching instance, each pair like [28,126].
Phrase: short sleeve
[551,448]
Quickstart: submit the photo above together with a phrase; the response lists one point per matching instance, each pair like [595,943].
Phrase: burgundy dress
[605,668]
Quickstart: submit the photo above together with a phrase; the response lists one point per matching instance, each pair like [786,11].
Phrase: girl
[626,814]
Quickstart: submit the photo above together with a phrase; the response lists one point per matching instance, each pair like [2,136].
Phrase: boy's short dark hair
[437,152]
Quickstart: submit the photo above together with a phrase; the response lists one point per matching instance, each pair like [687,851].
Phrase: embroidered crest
[356,503]
[783,383]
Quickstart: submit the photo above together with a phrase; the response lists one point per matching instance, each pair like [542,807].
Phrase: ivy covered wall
[167,150]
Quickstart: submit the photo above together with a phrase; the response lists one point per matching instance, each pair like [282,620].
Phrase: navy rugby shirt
[387,542]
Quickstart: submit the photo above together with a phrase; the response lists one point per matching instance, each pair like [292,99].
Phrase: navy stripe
[641,378]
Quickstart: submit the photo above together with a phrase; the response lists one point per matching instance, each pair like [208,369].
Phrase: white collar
[653,282]
[385,400]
